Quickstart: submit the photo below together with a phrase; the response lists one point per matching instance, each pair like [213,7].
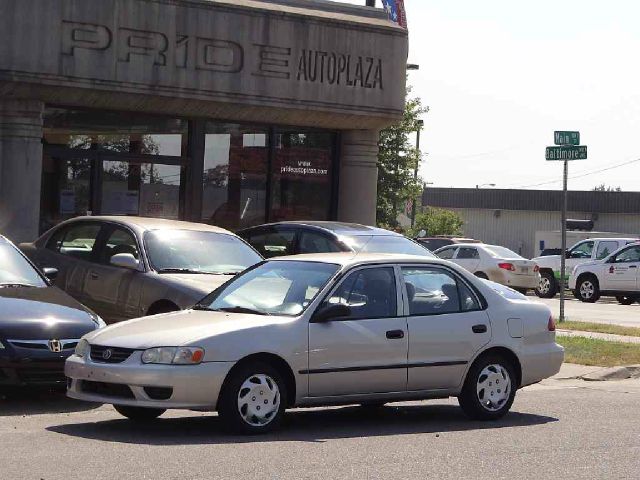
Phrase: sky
[499,76]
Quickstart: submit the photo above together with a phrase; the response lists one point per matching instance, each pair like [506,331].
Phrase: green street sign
[566,138]
[567,153]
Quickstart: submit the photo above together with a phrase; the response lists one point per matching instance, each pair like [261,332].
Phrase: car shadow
[315,425]
[25,401]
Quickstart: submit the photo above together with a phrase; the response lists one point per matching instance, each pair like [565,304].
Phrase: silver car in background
[127,267]
[495,263]
[324,329]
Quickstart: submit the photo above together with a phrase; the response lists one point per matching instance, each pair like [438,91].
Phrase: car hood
[177,328]
[31,313]
[203,283]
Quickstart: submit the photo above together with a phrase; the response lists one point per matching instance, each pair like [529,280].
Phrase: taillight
[536,269]
[507,266]
[551,325]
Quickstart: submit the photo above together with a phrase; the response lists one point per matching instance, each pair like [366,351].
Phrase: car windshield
[15,270]
[385,244]
[501,252]
[273,288]
[190,251]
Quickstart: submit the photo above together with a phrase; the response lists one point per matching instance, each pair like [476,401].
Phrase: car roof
[347,259]
[338,228]
[623,239]
[149,223]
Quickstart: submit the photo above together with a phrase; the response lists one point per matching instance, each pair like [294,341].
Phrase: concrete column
[20,168]
[358,177]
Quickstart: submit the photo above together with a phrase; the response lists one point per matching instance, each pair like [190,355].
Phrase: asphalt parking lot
[559,429]
[606,310]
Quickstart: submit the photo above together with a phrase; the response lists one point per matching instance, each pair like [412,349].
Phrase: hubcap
[544,285]
[587,289]
[258,400]
[494,387]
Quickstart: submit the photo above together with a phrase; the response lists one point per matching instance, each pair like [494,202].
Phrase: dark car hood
[31,313]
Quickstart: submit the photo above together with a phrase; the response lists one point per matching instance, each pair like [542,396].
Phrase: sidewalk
[598,336]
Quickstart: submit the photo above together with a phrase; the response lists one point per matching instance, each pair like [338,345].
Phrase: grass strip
[600,328]
[589,351]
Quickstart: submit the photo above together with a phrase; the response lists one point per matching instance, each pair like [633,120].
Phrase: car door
[367,351]
[72,251]
[114,292]
[622,274]
[447,326]
[580,253]
[468,258]
[447,253]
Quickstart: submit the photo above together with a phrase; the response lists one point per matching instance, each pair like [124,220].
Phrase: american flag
[395,10]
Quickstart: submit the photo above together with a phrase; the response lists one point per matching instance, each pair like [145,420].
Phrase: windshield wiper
[199,306]
[239,309]
[16,285]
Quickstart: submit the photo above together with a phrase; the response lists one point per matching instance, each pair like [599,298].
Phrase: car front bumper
[133,383]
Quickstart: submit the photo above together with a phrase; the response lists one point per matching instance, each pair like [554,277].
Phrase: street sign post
[568,148]
[566,138]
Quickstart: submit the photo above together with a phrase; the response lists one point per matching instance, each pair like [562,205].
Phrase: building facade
[511,218]
[226,112]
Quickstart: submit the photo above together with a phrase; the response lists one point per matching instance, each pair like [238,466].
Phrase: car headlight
[82,348]
[173,355]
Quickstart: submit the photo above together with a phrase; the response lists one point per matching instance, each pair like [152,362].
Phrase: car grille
[101,354]
[42,375]
[117,390]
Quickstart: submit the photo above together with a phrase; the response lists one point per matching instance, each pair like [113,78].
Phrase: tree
[397,161]
[604,188]
[438,221]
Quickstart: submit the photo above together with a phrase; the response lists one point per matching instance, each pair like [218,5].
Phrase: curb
[613,373]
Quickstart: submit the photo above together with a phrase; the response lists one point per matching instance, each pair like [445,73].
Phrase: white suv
[616,275]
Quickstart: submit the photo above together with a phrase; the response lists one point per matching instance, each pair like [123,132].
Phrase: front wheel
[489,389]
[626,300]
[253,400]
[588,290]
[139,414]
[548,287]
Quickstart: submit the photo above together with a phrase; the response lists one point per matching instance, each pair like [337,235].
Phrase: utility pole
[420,123]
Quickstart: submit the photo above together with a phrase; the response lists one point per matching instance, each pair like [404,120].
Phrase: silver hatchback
[126,267]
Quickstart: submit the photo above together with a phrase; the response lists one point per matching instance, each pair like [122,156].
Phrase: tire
[488,372]
[626,300]
[139,414]
[163,306]
[548,286]
[240,405]
[481,275]
[588,289]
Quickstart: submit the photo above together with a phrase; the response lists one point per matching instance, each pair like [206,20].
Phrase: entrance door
[366,352]
[622,273]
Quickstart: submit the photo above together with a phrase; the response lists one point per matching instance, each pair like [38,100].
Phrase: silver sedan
[126,267]
[324,329]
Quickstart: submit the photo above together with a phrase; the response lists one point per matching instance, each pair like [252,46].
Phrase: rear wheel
[626,300]
[489,389]
[548,287]
[139,414]
[588,289]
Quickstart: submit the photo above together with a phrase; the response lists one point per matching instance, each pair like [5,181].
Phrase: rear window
[386,244]
[504,291]
[501,252]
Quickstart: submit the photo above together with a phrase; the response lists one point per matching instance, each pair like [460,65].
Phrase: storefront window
[235,175]
[302,176]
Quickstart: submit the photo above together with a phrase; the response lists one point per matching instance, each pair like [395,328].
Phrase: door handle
[479,328]
[94,275]
[395,334]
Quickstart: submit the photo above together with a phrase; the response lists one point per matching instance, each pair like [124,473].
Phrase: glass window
[446,253]
[302,175]
[605,249]
[630,255]
[582,250]
[312,242]
[79,240]
[271,243]
[386,244]
[468,253]
[147,190]
[190,251]
[119,241]
[14,269]
[235,175]
[500,252]
[277,287]
[370,293]
[433,291]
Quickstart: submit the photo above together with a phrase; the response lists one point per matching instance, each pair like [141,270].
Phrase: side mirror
[567,254]
[125,260]
[331,312]
[51,273]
